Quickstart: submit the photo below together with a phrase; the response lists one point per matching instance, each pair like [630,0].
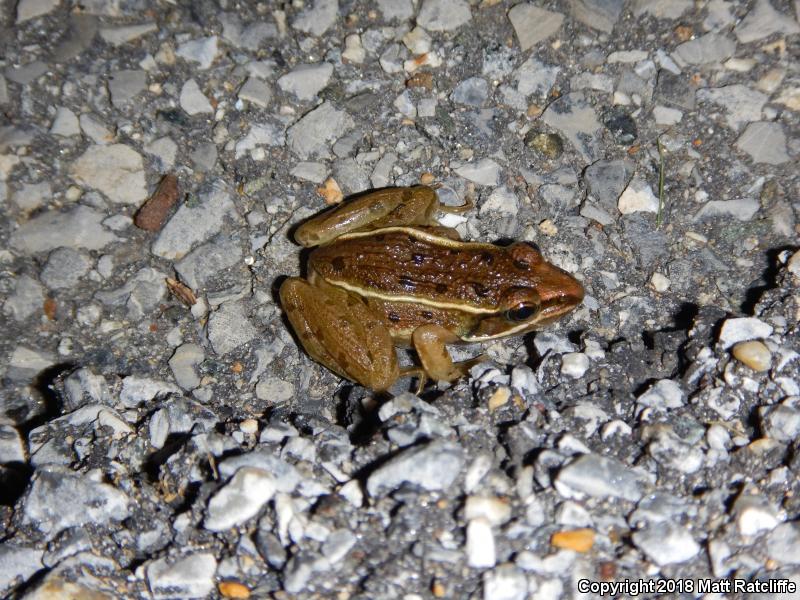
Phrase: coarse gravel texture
[161,433]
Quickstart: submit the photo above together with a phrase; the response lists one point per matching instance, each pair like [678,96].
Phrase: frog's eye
[523,312]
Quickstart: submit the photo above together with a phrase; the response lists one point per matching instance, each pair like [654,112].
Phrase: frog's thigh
[339,331]
[429,342]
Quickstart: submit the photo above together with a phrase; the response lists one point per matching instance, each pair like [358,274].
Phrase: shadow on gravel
[768,277]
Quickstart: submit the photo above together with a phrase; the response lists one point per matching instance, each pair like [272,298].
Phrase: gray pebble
[597,14]
[309,137]
[183,364]
[317,18]
[256,91]
[708,48]
[139,295]
[443,15]
[12,449]
[17,564]
[202,51]
[64,268]
[229,328]
[205,262]
[190,576]
[431,466]
[60,498]
[600,476]
[472,92]
[306,81]
[125,85]
[26,300]
[765,142]
[783,544]
[83,387]
[195,222]
[79,227]
[240,499]
[193,100]
[666,543]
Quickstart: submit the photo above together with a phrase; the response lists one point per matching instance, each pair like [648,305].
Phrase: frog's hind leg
[429,342]
[338,330]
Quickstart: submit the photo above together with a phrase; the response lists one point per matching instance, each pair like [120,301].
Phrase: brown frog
[384,273]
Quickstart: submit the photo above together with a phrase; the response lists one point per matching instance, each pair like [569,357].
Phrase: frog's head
[540,294]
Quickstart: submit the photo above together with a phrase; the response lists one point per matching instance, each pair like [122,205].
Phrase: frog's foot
[338,330]
[419,373]
[429,342]
[457,210]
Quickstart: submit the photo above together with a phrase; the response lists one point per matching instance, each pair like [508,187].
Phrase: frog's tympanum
[384,273]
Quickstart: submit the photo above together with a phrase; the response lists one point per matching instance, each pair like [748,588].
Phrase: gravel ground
[161,434]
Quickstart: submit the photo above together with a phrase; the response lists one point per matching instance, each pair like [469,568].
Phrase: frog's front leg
[388,207]
[338,330]
[430,343]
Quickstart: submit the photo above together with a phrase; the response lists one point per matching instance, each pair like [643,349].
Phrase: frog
[383,273]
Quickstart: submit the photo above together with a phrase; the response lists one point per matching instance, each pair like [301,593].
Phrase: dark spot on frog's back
[393,317]
[426,314]
[407,283]
[337,263]
[487,258]
[521,265]
[480,289]
[441,288]
[418,259]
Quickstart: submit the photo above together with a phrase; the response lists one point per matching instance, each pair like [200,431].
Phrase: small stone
[627,56]
[765,142]
[400,10]
[742,209]
[502,200]
[496,511]
[95,129]
[27,299]
[330,191]
[665,115]
[753,514]
[709,48]
[125,85]
[762,21]
[65,123]
[666,543]
[154,212]
[638,197]
[164,149]
[193,101]
[404,104]
[431,466]
[597,14]
[268,134]
[137,391]
[472,92]
[480,544]
[309,137]
[256,92]
[575,118]
[781,422]
[621,125]
[11,449]
[337,545]
[577,540]
[115,170]
[533,24]
[783,544]
[59,499]
[17,565]
[754,354]
[190,576]
[64,268]
[77,228]
[660,282]
[233,589]
[547,145]
[353,50]
[195,222]
[741,329]
[599,476]
[117,36]
[663,394]
[202,51]
[30,9]
[314,172]
[506,582]
[483,172]
[274,390]
[307,80]
[239,500]
[742,104]
[229,328]
[318,18]
[574,364]
[443,15]
[205,262]
[183,364]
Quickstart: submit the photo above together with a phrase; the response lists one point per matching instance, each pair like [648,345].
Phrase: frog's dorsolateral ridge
[384,273]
